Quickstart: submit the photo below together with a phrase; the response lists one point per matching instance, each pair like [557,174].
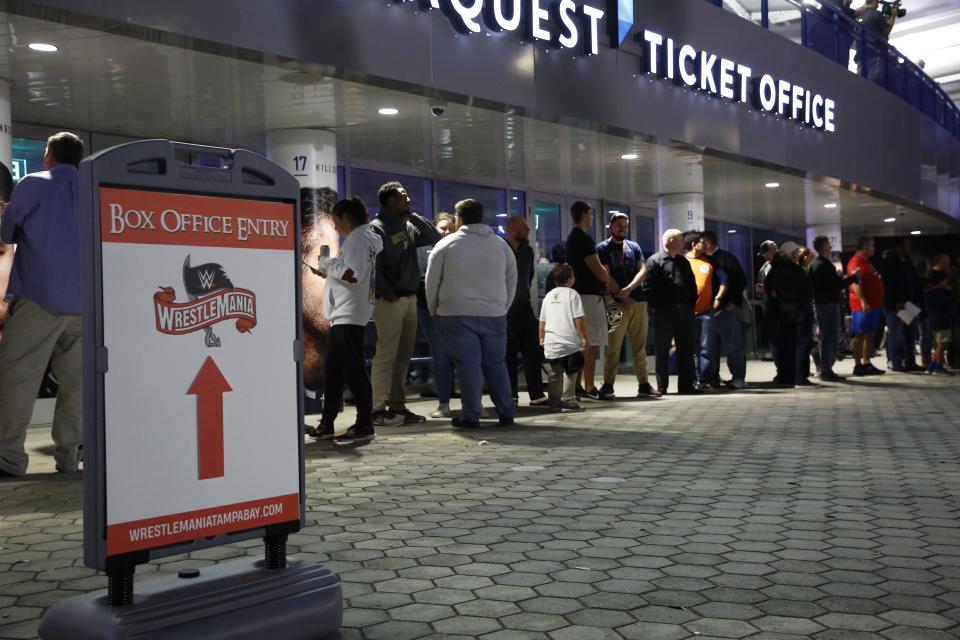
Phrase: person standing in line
[471,313]
[866,312]
[625,263]
[443,379]
[940,303]
[521,322]
[590,279]
[563,336]
[900,287]
[806,343]
[703,310]
[672,296]
[395,309]
[44,321]
[348,306]
[769,252]
[828,285]
[791,291]
[727,327]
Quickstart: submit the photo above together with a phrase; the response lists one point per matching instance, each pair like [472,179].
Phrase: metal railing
[828,30]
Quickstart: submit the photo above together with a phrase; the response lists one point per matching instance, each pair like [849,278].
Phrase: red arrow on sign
[209,387]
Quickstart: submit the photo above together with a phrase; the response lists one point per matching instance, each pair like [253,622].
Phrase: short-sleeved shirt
[703,274]
[624,261]
[580,246]
[561,307]
[870,284]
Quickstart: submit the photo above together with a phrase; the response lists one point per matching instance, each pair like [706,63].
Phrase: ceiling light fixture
[629,156]
[43,46]
[731,230]
[388,111]
[772,185]
[889,219]
[916,232]
[830,205]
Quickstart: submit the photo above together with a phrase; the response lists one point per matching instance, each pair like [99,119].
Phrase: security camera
[438,108]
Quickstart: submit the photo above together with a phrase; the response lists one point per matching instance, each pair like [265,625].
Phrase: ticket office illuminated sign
[563,23]
[716,75]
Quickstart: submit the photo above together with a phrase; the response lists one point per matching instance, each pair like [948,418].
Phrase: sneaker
[386,418]
[606,392]
[806,383]
[860,370]
[646,390]
[460,423]
[506,422]
[738,384]
[873,371]
[594,394]
[443,411]
[321,432]
[355,435]
[409,417]
[830,376]
[929,370]
[913,367]
[569,407]
[939,370]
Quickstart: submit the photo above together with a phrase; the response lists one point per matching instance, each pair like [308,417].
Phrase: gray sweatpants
[32,337]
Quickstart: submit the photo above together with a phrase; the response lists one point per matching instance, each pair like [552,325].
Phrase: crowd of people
[478,307]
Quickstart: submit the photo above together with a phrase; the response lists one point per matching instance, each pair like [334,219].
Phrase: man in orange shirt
[866,307]
[703,310]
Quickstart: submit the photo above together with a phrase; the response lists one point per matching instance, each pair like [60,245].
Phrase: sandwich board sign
[193,378]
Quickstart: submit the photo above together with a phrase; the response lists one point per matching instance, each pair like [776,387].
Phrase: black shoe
[409,417]
[873,371]
[355,435]
[386,418]
[898,369]
[860,370]
[322,432]
[591,395]
[913,367]
[6,474]
[506,422]
[646,390]
[692,391]
[806,383]
[606,392]
[830,376]
[459,423]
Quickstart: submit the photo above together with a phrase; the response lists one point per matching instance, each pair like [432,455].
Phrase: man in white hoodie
[471,281]
[348,306]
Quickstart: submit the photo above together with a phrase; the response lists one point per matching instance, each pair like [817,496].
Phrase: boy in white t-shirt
[563,336]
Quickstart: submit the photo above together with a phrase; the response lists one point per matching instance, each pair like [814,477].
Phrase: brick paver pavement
[831,513]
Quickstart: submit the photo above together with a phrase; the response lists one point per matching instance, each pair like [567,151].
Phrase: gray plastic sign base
[235,600]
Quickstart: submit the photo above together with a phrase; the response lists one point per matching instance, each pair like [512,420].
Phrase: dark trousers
[523,336]
[675,324]
[787,352]
[804,348]
[344,365]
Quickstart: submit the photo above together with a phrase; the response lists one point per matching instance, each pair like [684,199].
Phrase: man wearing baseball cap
[768,251]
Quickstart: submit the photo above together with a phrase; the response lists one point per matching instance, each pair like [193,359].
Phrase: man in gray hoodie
[395,309]
[471,282]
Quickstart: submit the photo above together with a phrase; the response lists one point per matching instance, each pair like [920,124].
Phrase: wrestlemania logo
[211,299]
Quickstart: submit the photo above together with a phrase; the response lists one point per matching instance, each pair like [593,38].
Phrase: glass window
[366,185]
[27,157]
[645,234]
[518,203]
[494,201]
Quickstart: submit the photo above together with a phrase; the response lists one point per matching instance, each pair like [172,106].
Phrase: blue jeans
[728,329]
[896,340]
[703,361]
[478,346]
[828,319]
[442,363]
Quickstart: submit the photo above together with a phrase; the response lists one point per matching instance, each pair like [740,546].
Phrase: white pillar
[6,141]
[822,213]
[310,155]
[679,183]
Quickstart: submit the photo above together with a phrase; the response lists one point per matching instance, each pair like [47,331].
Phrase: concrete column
[679,183]
[822,212]
[6,141]
[310,155]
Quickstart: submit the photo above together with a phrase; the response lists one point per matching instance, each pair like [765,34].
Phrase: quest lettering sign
[568,24]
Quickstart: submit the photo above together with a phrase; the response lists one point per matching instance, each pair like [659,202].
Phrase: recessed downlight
[46,47]
[772,185]
[388,111]
[889,219]
[830,205]
[731,230]
[916,232]
[629,156]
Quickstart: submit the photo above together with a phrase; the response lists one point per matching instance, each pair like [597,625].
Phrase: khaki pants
[634,326]
[31,338]
[396,336]
[562,386]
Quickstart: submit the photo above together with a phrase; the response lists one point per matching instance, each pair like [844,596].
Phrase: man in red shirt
[866,307]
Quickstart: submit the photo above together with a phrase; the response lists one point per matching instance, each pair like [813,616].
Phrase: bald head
[673,241]
[517,228]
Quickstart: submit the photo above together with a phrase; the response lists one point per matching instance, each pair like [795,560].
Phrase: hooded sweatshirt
[351,277]
[472,272]
[398,273]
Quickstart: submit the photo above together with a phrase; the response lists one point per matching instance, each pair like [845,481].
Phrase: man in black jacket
[828,285]
[901,286]
[727,327]
[522,326]
[395,309]
[672,295]
[790,291]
